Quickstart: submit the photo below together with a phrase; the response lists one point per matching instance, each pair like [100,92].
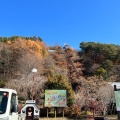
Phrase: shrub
[2,84]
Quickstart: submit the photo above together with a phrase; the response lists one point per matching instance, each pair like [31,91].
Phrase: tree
[101,72]
[60,82]
[9,57]
[105,94]
[99,52]
[107,64]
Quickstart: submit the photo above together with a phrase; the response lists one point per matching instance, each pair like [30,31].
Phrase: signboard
[117,98]
[55,98]
[30,101]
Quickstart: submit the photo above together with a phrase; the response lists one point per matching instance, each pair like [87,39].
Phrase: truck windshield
[3,101]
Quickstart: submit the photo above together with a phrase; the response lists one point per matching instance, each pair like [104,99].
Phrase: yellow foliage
[8,42]
[37,47]
[86,113]
[34,47]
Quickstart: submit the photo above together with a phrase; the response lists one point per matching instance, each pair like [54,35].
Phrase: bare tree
[105,94]
[24,87]
[28,62]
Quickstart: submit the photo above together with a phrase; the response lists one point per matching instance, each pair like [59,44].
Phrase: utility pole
[33,84]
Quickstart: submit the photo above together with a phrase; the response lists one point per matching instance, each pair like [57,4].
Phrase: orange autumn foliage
[34,47]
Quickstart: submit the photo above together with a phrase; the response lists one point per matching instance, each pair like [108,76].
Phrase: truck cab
[8,104]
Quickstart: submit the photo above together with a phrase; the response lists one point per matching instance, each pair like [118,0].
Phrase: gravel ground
[112,117]
[53,118]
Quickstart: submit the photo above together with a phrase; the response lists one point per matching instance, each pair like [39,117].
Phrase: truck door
[29,113]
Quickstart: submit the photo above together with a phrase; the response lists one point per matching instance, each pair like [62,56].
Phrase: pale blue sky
[62,21]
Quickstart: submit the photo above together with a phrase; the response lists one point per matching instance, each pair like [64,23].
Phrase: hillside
[84,74]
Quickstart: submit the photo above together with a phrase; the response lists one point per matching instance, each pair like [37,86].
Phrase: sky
[60,22]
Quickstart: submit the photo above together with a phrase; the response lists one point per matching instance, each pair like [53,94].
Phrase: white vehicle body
[32,104]
[115,83]
[8,105]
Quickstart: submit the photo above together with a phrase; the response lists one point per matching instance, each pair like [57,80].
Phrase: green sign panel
[55,98]
[117,98]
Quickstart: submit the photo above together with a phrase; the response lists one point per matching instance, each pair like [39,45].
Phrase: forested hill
[94,65]
[101,59]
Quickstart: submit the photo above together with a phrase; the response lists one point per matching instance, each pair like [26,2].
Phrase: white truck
[9,105]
